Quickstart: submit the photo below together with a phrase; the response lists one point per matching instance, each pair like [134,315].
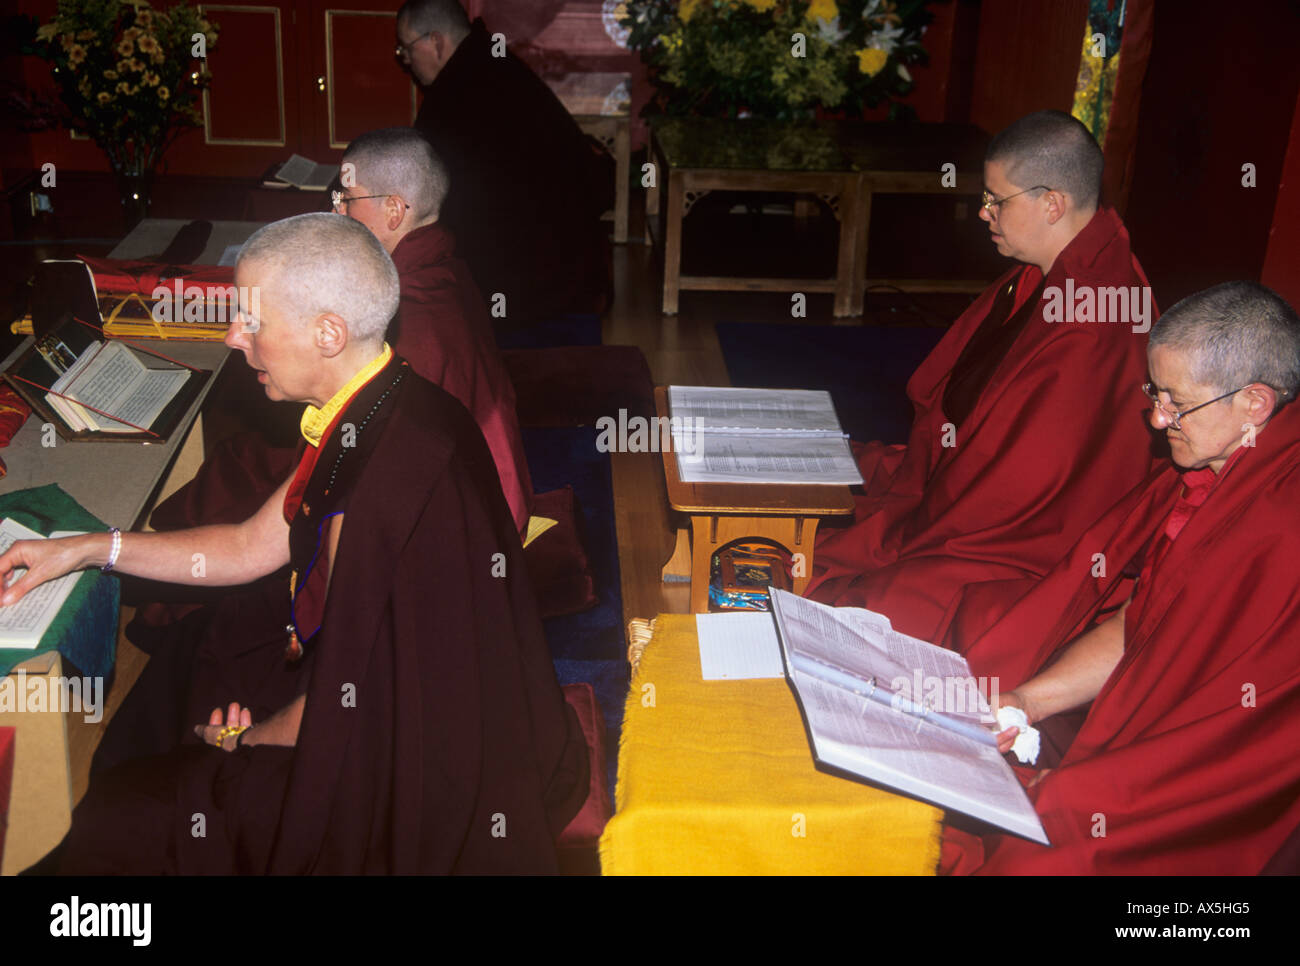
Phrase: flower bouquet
[778,59]
[130,78]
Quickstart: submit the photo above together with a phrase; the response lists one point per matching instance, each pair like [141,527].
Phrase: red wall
[1282,257]
[1220,92]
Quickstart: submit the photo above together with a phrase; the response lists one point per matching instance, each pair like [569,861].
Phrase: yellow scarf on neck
[316,421]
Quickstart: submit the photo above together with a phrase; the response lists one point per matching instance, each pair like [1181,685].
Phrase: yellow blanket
[717,777]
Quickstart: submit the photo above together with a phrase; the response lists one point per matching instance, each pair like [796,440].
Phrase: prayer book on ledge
[302,173]
[89,387]
[24,624]
[787,436]
[898,712]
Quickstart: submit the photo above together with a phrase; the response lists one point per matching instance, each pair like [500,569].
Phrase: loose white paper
[735,647]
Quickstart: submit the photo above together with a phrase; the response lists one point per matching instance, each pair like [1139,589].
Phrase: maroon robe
[1188,752]
[434,737]
[443,330]
[1054,435]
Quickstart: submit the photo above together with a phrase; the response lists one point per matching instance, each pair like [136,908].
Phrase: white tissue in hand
[1027,741]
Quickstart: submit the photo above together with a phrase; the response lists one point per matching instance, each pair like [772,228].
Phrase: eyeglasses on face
[989,202]
[341,201]
[403,51]
[1175,416]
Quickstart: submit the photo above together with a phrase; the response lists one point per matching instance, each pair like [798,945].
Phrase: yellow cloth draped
[316,421]
[717,777]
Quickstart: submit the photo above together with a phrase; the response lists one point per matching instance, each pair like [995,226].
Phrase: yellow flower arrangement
[781,59]
[108,55]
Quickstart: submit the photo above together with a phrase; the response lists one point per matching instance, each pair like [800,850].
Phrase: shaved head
[322,263]
[1052,149]
[1233,335]
[399,161]
[426,16]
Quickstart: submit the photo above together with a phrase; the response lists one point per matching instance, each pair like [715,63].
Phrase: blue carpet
[588,646]
[865,369]
[578,328]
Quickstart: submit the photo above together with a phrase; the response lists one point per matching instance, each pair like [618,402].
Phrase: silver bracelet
[113,554]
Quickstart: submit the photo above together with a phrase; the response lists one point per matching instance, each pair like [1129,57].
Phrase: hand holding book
[46,560]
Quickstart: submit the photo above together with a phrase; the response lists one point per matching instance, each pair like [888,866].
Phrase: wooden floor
[680,349]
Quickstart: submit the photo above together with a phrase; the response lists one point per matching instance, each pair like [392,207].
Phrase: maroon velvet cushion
[557,563]
[585,829]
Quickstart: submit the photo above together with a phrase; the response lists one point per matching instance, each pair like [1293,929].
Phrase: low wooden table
[720,513]
[909,159]
[843,163]
[696,156]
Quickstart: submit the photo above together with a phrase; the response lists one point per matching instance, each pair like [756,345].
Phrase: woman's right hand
[47,560]
[1009,699]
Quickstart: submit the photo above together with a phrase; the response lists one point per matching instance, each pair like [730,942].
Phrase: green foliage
[779,59]
[127,74]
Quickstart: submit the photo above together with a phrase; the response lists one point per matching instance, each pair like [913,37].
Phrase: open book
[758,436]
[302,173]
[898,711]
[24,624]
[108,377]
[70,372]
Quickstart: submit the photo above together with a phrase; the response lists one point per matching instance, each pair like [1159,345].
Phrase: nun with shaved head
[1025,425]
[407,697]
[396,185]
[1179,651]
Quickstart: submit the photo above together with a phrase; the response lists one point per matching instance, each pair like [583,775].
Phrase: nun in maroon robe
[1186,762]
[1026,430]
[434,736]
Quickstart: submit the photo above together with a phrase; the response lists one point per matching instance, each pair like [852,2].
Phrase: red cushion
[557,563]
[587,825]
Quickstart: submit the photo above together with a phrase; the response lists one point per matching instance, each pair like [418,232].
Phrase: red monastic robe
[1055,436]
[1188,752]
[443,330]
